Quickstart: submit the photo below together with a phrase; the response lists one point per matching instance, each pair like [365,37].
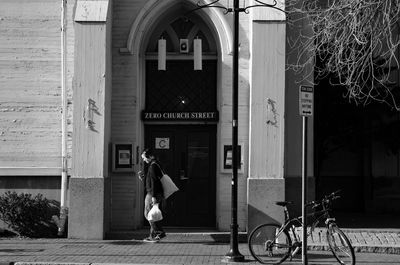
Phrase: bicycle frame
[318,216]
[272,243]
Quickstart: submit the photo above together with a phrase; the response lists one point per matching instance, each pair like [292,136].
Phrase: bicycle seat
[284,203]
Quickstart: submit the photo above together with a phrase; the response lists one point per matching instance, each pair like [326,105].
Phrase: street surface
[137,252]
[325,258]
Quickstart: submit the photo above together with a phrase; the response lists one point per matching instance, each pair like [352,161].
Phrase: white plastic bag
[169,186]
[155,214]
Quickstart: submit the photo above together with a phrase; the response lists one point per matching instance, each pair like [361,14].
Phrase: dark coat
[153,182]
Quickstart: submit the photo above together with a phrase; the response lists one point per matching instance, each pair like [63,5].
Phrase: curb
[51,263]
[378,249]
[78,263]
[395,250]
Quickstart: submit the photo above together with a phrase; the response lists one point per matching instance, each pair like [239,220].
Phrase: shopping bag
[168,185]
[155,214]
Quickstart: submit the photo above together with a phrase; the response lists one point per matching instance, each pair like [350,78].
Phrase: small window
[182,28]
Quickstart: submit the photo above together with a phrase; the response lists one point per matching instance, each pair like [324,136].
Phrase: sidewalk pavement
[176,248]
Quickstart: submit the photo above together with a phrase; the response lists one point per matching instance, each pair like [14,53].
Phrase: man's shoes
[151,239]
[161,235]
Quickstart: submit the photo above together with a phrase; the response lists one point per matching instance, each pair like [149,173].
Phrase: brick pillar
[267,111]
[91,121]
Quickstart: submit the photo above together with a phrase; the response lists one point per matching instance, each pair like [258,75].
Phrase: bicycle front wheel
[340,245]
[269,245]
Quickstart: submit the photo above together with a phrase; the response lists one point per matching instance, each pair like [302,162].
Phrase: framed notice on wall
[226,158]
[122,157]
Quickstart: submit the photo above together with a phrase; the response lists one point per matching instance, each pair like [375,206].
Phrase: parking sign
[306,100]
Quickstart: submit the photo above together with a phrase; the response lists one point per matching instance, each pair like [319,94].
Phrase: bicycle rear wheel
[340,245]
[268,245]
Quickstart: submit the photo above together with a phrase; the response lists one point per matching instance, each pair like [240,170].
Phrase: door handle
[182,175]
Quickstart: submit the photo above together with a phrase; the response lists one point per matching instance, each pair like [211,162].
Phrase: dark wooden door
[187,154]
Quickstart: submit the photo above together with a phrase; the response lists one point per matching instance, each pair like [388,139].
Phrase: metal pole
[64,172]
[304,191]
[234,255]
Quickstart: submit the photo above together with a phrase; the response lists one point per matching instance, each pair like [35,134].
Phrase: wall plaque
[162,143]
[122,157]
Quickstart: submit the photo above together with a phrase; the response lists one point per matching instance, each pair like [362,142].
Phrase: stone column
[88,189]
[267,117]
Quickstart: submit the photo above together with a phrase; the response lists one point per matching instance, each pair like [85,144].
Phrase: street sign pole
[304,191]
[306,110]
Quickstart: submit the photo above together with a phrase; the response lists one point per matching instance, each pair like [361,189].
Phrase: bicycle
[271,243]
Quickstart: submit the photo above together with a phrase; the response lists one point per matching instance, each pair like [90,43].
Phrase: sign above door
[180,116]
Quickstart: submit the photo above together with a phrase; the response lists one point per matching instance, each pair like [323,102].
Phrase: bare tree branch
[354,42]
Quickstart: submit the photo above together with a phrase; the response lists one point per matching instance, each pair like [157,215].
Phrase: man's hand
[140,175]
[153,200]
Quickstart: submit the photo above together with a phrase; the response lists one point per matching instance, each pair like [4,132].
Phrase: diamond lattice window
[180,88]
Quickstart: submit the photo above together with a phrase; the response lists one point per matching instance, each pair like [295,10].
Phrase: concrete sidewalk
[176,248]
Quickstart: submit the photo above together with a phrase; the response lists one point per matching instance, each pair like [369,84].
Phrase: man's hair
[148,153]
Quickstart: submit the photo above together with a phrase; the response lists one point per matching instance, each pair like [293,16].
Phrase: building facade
[86,100]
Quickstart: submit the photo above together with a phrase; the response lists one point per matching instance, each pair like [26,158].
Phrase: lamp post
[233,254]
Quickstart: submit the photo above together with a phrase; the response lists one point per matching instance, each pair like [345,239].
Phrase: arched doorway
[180,116]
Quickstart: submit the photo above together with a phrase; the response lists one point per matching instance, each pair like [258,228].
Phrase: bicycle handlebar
[333,194]
[326,199]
